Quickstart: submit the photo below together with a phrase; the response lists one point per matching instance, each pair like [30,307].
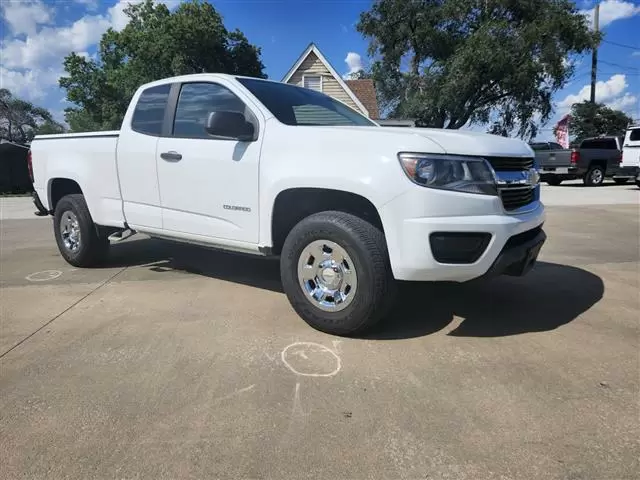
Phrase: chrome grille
[510,164]
[516,197]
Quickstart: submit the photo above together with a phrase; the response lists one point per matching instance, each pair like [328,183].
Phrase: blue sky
[37,34]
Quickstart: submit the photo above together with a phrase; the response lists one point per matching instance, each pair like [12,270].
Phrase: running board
[121,235]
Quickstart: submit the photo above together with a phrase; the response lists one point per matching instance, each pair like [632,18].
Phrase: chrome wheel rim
[70,231]
[596,176]
[327,275]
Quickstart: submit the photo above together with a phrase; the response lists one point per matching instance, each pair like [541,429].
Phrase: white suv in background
[631,153]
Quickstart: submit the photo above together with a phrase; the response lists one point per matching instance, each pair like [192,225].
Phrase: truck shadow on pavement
[550,296]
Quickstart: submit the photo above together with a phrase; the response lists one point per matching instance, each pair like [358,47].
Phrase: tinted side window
[149,113]
[195,103]
[635,135]
[598,144]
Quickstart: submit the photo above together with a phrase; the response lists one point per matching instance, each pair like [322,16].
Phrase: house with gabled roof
[312,70]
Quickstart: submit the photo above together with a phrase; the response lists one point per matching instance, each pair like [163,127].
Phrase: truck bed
[89,159]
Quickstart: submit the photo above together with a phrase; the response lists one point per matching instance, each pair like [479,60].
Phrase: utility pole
[594,55]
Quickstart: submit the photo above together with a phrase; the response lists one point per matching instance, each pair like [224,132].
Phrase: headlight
[450,172]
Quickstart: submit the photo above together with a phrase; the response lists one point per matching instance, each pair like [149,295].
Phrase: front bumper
[408,238]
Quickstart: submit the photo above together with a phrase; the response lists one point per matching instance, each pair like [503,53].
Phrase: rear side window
[149,113]
[600,143]
[537,147]
[635,135]
[196,101]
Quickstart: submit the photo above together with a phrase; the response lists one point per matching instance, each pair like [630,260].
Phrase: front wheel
[76,235]
[336,273]
[594,177]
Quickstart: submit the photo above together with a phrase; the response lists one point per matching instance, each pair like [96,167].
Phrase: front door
[208,187]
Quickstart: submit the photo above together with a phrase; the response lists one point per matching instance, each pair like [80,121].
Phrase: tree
[451,62]
[20,120]
[155,44]
[594,119]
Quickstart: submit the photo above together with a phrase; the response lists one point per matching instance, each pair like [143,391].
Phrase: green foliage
[20,120]
[595,119]
[450,62]
[155,44]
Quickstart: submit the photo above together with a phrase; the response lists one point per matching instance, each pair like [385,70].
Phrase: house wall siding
[330,86]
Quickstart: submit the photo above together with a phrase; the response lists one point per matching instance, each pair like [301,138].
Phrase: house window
[312,82]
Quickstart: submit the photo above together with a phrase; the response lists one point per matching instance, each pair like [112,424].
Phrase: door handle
[171,156]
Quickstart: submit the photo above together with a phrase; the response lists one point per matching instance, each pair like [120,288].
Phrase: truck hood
[464,142]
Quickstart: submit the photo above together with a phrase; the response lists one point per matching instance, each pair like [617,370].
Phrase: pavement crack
[46,324]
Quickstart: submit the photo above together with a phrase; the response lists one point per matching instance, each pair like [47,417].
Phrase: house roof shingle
[365,90]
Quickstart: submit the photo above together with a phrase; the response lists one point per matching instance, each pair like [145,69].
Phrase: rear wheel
[621,181]
[76,235]
[594,177]
[555,181]
[336,273]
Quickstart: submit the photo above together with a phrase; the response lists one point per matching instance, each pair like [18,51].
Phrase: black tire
[92,249]
[366,246]
[555,181]
[620,181]
[594,176]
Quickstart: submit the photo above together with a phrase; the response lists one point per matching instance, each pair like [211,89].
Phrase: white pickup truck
[267,168]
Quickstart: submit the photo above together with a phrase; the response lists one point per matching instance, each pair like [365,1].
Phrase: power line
[621,45]
[620,66]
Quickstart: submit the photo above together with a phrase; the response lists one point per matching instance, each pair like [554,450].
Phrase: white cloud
[627,103]
[636,53]
[24,17]
[32,85]
[51,44]
[90,4]
[605,91]
[354,62]
[612,10]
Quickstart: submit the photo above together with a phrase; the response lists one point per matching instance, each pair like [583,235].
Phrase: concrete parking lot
[180,362]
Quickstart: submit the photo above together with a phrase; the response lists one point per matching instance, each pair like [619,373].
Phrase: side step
[121,235]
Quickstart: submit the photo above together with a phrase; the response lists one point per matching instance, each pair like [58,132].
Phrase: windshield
[300,106]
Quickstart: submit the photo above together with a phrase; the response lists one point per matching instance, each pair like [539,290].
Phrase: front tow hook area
[519,254]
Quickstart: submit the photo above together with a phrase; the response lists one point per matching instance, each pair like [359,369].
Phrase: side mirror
[230,126]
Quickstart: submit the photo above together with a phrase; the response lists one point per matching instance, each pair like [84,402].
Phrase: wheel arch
[59,187]
[291,205]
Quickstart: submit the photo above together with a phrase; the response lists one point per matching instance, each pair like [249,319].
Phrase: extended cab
[267,168]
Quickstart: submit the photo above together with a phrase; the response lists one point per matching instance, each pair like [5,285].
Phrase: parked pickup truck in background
[266,168]
[554,162]
[630,166]
[593,161]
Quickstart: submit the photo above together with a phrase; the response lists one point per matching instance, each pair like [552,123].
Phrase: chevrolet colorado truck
[266,168]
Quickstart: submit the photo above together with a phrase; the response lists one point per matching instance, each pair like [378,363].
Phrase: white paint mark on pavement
[297,406]
[233,394]
[310,359]
[43,276]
